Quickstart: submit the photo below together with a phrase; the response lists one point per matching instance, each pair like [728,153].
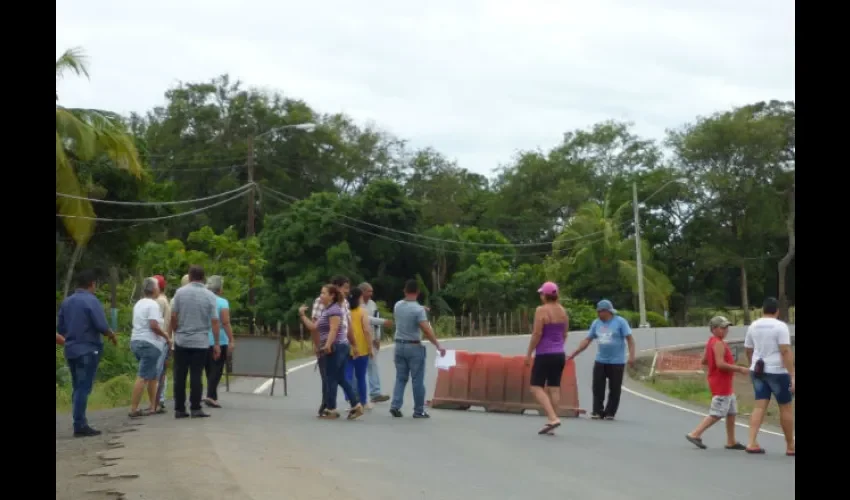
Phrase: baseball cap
[719,322]
[548,288]
[606,305]
[160,281]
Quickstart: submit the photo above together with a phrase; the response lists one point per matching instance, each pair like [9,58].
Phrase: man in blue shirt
[82,321]
[410,323]
[612,333]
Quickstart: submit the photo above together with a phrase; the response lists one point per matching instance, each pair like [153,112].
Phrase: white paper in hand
[447,361]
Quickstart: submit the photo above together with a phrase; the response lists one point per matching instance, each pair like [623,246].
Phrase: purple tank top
[552,339]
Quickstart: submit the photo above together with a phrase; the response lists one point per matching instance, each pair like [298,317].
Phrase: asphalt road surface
[260,447]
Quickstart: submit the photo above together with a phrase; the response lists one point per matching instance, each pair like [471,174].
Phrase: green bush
[445,326]
[656,320]
[631,317]
[581,313]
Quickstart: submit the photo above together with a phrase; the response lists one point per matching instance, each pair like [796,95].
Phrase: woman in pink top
[547,342]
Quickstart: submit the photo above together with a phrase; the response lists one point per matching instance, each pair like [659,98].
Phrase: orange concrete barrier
[498,383]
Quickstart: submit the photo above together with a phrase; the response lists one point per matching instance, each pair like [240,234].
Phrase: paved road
[274,447]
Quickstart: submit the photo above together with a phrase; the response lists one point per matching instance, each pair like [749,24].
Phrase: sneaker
[396,412]
[181,414]
[355,412]
[329,415]
[424,414]
[87,432]
[595,416]
[380,398]
[369,406]
[199,414]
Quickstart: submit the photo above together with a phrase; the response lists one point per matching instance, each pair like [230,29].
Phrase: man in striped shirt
[344,284]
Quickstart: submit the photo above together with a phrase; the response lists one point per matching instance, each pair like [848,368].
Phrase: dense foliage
[716,211]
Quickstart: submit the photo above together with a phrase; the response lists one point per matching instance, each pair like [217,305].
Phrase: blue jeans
[777,384]
[335,375]
[163,375]
[355,371]
[374,376]
[83,370]
[409,364]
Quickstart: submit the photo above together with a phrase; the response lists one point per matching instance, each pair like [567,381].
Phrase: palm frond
[73,59]
[66,181]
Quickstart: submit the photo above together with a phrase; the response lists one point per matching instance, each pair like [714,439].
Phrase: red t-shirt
[720,382]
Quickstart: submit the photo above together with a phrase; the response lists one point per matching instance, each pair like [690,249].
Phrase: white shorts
[723,406]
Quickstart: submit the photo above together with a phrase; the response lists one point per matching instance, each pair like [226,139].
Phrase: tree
[84,135]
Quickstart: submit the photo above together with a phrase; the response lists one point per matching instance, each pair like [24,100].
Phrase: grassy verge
[115,392]
[693,388]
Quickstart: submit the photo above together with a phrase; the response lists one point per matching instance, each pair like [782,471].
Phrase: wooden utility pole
[249,230]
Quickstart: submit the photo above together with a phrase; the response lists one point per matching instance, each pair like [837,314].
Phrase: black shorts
[547,369]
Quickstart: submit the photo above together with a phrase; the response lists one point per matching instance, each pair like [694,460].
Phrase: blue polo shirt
[82,322]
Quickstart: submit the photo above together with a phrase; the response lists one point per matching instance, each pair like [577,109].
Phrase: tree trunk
[745,297]
[786,260]
[69,276]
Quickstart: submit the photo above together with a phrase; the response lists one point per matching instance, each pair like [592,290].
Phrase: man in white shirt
[768,345]
[147,342]
[375,320]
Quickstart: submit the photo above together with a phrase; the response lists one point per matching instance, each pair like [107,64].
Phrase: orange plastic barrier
[498,383]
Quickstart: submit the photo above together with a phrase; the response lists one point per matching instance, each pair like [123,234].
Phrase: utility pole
[641,298]
[249,230]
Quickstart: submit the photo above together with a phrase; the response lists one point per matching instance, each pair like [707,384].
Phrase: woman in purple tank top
[551,324]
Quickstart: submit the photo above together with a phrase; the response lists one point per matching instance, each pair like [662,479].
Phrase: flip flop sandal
[736,446]
[755,451]
[791,453]
[548,428]
[211,404]
[696,442]
[160,410]
[137,414]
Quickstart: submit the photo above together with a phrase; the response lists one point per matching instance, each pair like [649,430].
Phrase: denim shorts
[777,384]
[148,356]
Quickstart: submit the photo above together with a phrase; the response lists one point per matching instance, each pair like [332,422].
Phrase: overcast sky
[475,79]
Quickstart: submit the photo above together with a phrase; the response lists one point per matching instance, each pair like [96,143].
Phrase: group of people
[187,328]
[342,322]
[767,344]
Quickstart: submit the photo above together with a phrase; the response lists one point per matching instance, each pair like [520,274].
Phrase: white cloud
[476,79]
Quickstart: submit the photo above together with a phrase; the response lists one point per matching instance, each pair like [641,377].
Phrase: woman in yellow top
[362,350]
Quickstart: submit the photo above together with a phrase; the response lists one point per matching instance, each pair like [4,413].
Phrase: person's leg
[136,347]
[614,374]
[782,391]
[361,366]
[83,371]
[718,409]
[538,383]
[598,390]
[417,375]
[332,381]
[375,380]
[349,376]
[322,364]
[181,370]
[209,364]
[731,414]
[762,394]
[197,361]
[402,373]
[343,353]
[75,368]
[553,381]
[214,377]
[159,397]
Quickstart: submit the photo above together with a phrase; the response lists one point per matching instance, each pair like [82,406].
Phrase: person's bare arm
[719,359]
[60,340]
[429,334]
[157,330]
[225,324]
[536,332]
[630,341]
[749,345]
[172,326]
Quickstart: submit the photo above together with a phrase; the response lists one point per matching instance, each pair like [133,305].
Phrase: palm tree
[84,135]
[592,253]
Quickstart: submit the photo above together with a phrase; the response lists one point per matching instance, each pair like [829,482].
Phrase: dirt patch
[77,457]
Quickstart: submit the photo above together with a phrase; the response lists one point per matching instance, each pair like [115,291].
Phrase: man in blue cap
[612,333]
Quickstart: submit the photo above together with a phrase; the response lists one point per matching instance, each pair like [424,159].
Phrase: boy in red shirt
[721,370]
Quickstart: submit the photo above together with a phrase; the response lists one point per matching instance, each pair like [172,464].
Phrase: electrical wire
[155,203]
[153,219]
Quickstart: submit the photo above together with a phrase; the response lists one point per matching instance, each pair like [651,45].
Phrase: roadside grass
[693,388]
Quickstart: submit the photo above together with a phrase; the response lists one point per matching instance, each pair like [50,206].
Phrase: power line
[155,203]
[153,219]
[431,247]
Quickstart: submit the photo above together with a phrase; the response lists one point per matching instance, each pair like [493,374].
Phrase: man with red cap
[165,308]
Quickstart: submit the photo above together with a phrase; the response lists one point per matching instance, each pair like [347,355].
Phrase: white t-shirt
[143,312]
[764,336]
